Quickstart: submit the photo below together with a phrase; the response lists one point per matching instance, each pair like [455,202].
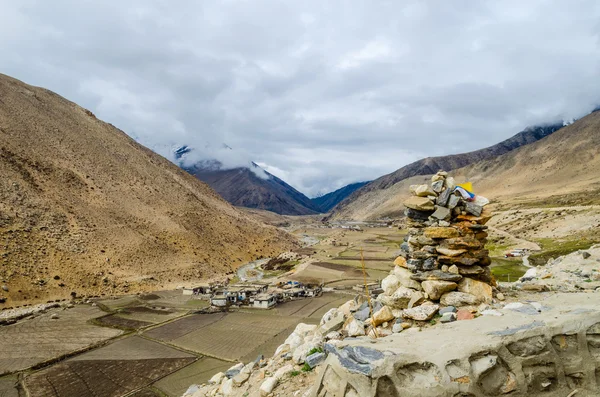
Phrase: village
[258,295]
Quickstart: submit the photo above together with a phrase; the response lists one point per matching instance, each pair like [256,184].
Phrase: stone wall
[539,349]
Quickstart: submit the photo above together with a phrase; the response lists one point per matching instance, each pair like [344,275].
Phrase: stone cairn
[443,261]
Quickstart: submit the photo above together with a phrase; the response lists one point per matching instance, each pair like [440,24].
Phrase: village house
[264,301]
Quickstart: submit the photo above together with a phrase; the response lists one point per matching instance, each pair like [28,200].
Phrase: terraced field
[33,341]
[121,367]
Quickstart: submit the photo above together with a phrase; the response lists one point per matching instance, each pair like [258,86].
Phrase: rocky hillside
[379,191]
[244,188]
[84,209]
[327,201]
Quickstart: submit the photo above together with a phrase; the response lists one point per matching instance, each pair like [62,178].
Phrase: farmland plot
[114,370]
[42,338]
[235,335]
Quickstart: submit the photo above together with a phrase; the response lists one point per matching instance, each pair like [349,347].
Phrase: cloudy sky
[321,93]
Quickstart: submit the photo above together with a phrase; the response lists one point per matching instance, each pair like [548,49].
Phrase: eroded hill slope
[85,209]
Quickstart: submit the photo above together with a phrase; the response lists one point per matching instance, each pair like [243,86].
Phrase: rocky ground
[293,370]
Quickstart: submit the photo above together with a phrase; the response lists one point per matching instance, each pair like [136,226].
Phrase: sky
[319,93]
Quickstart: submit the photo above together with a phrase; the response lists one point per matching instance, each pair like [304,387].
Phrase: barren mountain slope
[352,204]
[564,165]
[85,209]
[560,169]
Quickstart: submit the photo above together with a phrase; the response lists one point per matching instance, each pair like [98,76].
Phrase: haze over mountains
[254,187]
[86,209]
[538,162]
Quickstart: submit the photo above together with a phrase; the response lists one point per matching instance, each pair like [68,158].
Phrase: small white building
[264,301]
[219,301]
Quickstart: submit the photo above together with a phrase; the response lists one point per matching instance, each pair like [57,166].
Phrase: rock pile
[443,260]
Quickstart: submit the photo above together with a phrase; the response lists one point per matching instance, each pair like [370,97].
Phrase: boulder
[268,386]
[404,276]
[302,351]
[442,199]
[382,316]
[470,270]
[463,314]
[419,204]
[449,252]
[400,261]
[437,186]
[348,307]
[481,290]
[453,201]
[458,299]
[436,275]
[473,209]
[315,359]
[450,183]
[216,379]
[227,387]
[390,284]
[421,313]
[436,288]
[423,190]
[417,215]
[333,323]
[458,260]
[469,243]
[354,327]
[448,317]
[416,299]
[441,232]
[442,213]
[399,299]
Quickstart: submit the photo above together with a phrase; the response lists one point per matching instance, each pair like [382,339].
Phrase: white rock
[216,379]
[492,312]
[282,349]
[354,327]
[227,387]
[348,307]
[281,372]
[390,284]
[302,351]
[331,313]
[530,273]
[294,340]
[267,386]
[514,305]
[421,313]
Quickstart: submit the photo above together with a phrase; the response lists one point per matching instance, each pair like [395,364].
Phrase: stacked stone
[445,245]
[443,260]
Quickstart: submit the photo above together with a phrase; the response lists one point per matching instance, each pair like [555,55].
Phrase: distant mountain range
[254,187]
[330,200]
[375,199]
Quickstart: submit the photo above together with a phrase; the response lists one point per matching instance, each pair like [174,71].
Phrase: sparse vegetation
[552,248]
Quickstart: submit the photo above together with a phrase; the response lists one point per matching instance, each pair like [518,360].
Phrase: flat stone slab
[551,352]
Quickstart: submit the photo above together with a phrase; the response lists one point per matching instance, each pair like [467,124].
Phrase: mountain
[250,187]
[84,209]
[377,193]
[561,169]
[330,200]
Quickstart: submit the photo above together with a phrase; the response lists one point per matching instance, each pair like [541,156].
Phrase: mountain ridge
[431,165]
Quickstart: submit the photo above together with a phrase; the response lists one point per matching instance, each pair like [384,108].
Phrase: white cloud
[321,93]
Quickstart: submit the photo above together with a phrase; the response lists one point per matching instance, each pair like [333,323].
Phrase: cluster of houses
[256,294]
